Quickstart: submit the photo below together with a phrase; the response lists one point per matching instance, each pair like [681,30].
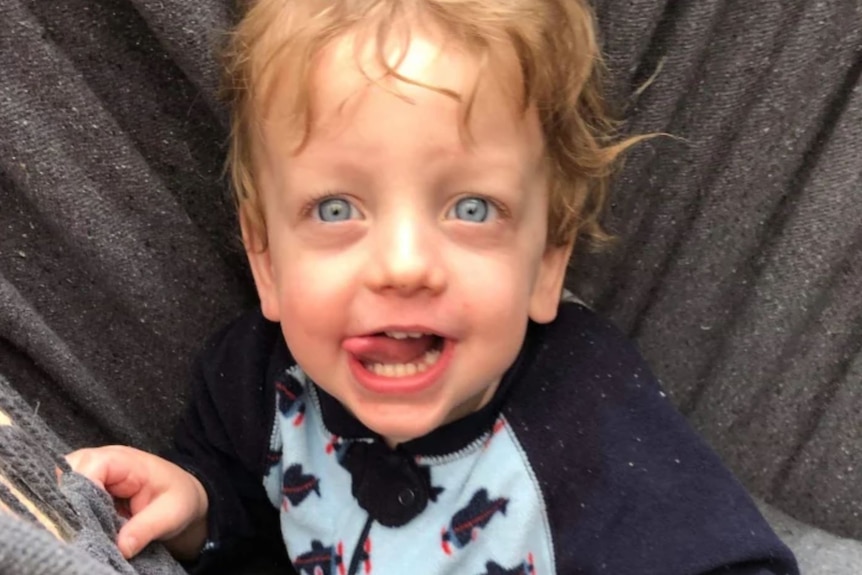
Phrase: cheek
[503,277]
[495,295]
[311,289]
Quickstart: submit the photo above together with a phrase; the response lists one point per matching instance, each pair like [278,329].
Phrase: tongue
[382,349]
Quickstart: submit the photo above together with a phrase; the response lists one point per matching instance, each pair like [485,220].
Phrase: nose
[406,257]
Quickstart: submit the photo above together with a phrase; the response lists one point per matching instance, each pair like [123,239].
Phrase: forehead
[419,58]
[356,82]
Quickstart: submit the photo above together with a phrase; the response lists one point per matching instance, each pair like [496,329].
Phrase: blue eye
[335,210]
[472,209]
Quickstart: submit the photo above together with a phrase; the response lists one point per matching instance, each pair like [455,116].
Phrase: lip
[409,384]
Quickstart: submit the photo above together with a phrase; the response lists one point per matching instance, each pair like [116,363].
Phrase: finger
[86,463]
[117,471]
[129,544]
[158,520]
[74,458]
[114,470]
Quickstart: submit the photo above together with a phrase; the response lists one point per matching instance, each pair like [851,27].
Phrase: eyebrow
[502,167]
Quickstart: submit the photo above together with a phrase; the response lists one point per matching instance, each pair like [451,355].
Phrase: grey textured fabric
[738,268]
[83,514]
[25,548]
[817,552]
[98,530]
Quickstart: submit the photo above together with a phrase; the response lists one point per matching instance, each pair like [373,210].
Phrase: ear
[259,260]
[548,288]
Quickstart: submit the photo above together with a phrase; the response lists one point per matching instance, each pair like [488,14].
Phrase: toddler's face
[403,258]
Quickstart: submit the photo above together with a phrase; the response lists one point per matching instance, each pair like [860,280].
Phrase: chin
[401,428]
[402,434]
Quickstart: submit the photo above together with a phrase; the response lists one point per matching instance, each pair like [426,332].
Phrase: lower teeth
[404,369]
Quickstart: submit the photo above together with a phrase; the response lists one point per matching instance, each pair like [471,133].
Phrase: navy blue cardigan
[627,487]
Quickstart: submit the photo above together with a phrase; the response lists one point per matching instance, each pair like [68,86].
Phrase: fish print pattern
[469,521]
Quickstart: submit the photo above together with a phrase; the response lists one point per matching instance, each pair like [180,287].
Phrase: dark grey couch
[738,269]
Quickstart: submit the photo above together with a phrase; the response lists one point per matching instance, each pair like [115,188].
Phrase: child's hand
[165,502]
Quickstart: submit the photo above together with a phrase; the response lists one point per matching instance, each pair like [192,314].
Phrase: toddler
[412,396]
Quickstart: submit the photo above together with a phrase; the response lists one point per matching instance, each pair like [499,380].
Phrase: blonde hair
[560,69]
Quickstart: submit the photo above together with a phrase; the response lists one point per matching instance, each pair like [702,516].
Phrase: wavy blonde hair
[554,42]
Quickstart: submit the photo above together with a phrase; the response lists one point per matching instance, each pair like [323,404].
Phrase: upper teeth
[404,334]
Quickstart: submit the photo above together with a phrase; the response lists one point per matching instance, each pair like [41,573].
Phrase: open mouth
[394,353]
[397,361]
[402,353]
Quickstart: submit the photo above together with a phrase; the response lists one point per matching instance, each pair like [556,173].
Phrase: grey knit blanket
[738,270]
[51,526]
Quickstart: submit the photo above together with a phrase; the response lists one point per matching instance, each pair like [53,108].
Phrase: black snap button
[387,483]
[406,497]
